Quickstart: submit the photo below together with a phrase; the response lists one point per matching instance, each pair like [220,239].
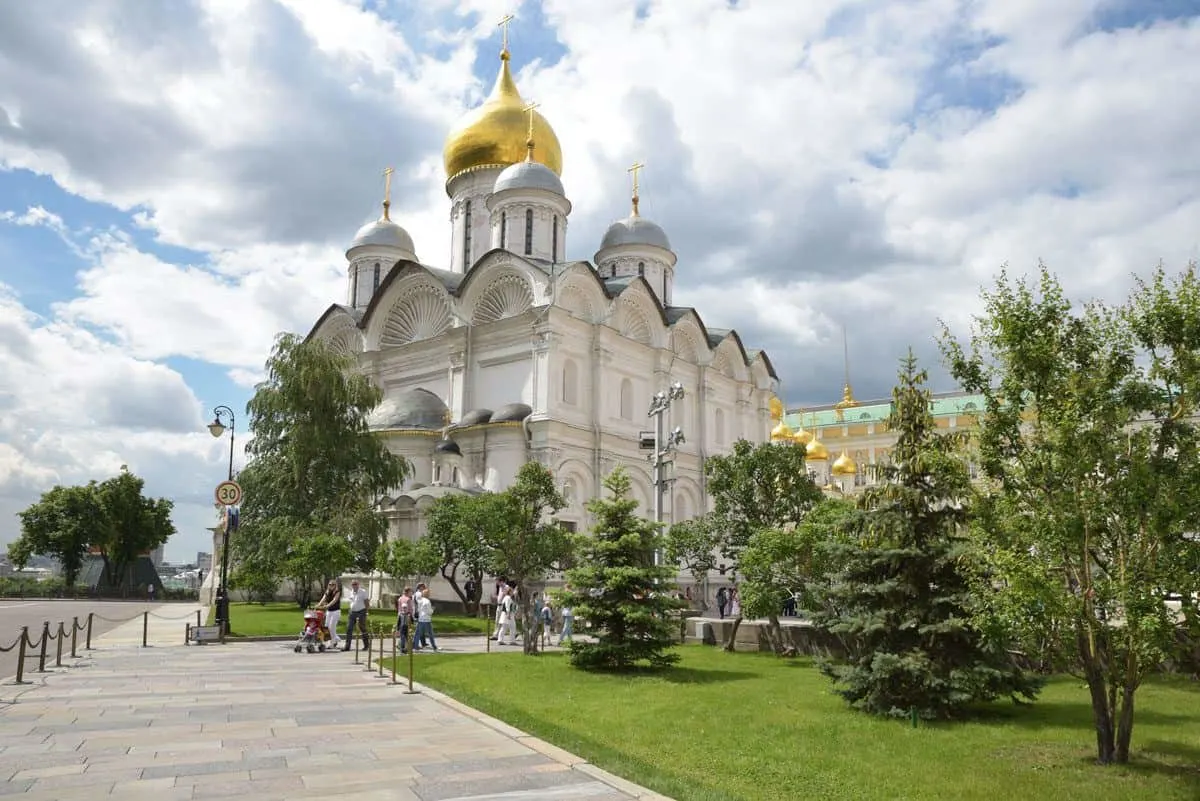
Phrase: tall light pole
[664,445]
[217,429]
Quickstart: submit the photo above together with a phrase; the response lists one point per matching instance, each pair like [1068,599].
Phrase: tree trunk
[529,640]
[737,621]
[1124,726]
[775,634]
[1102,712]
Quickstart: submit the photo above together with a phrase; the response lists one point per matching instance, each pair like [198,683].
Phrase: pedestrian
[150,592]
[359,602]
[425,619]
[331,602]
[568,624]
[722,601]
[547,616]
[508,618]
[469,591]
[404,616]
[735,603]
[416,600]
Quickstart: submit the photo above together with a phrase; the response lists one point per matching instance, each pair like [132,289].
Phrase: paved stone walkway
[254,720]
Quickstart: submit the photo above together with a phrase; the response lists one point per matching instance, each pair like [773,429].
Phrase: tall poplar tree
[902,603]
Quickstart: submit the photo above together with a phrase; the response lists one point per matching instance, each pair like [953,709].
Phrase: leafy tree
[797,559]
[317,469]
[63,525]
[132,524]
[459,528]
[616,587]
[902,604]
[1089,440]
[757,488]
[527,542]
[693,545]
[406,559]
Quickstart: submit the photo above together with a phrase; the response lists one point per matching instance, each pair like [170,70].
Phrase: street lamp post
[664,444]
[217,429]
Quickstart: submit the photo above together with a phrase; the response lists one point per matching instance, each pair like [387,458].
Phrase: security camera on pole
[663,445]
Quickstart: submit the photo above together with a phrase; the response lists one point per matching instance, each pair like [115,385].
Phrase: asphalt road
[15,613]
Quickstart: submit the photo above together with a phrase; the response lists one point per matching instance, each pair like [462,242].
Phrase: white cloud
[816,164]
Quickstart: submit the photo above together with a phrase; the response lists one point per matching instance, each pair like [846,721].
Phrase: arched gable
[506,295]
[332,323]
[341,333]
[580,292]
[636,314]
[689,340]
[729,359]
[489,267]
[415,305]
[762,371]
[583,485]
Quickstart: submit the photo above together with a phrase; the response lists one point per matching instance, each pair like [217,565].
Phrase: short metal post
[394,639]
[74,638]
[412,646]
[88,644]
[145,628]
[370,645]
[45,642]
[197,618]
[21,655]
[187,633]
[350,634]
[381,630]
[62,635]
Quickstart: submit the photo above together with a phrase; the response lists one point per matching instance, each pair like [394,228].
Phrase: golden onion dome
[816,451]
[495,134]
[802,436]
[781,433]
[844,465]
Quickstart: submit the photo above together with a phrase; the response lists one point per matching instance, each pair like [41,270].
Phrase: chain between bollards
[74,638]
[62,635]
[45,641]
[21,655]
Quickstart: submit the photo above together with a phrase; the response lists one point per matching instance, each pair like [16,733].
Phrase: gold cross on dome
[387,191]
[528,109]
[634,170]
[504,25]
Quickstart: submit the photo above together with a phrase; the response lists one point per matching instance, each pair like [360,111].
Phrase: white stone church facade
[518,352]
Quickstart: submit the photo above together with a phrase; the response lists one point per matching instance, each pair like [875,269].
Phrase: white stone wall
[472,187]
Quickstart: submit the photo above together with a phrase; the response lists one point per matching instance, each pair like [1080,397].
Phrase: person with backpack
[404,615]
[722,601]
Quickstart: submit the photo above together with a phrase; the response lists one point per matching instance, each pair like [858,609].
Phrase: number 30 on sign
[228,493]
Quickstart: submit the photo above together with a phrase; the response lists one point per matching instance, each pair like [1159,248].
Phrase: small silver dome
[414,408]
[529,175]
[447,446]
[635,231]
[513,412]
[383,233]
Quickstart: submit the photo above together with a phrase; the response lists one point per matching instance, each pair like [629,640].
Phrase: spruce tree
[901,604]
[618,590]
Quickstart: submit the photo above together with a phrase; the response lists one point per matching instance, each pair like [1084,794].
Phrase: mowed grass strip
[750,726]
[284,618]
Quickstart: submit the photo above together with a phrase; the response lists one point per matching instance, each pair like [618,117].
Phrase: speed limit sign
[228,493]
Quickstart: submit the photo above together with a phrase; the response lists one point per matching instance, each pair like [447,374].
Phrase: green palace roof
[945,404]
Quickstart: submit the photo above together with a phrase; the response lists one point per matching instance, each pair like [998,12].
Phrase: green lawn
[750,726]
[264,620]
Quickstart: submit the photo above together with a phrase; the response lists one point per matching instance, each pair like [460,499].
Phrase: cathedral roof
[383,233]
[512,412]
[529,175]
[635,230]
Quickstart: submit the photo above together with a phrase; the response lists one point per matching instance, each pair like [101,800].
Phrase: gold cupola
[782,432]
[801,436]
[495,134]
[816,451]
[844,465]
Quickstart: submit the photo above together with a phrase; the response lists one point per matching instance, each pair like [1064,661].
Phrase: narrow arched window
[554,241]
[466,235]
[570,385]
[528,232]
[375,281]
[503,229]
[354,288]
[626,399]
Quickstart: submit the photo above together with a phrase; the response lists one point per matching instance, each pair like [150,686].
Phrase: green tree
[130,524]
[459,528]
[63,524]
[317,469]
[693,545]
[617,588]
[902,605]
[757,488]
[528,543]
[406,559]
[796,560]
[1089,440]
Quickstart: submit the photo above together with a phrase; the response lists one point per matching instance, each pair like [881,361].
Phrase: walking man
[358,615]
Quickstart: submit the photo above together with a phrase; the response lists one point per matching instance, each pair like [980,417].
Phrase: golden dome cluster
[496,133]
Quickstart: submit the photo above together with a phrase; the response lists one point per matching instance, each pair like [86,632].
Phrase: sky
[178,182]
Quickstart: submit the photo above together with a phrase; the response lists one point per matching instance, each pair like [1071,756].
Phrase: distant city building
[156,556]
[203,561]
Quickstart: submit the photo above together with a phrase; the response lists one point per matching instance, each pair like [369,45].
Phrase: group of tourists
[411,606]
[508,610]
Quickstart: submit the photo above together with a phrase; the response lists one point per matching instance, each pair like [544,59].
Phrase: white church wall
[502,380]
[469,193]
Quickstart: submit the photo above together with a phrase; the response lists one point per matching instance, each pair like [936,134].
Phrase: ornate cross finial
[634,170]
[504,41]
[528,109]
[387,191]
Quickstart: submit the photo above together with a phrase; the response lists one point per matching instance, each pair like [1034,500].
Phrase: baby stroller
[315,634]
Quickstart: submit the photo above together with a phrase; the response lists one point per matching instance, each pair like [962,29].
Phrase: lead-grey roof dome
[512,412]
[635,231]
[385,233]
[529,175]
[413,408]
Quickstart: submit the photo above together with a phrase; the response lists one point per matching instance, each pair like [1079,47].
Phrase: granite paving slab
[254,720]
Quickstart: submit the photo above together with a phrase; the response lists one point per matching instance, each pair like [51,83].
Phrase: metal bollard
[62,635]
[370,645]
[21,655]
[187,633]
[45,642]
[394,640]
[88,645]
[381,652]
[197,618]
[145,628]
[412,647]
[74,638]
[350,634]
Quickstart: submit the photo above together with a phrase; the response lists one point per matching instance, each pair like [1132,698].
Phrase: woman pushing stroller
[331,602]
